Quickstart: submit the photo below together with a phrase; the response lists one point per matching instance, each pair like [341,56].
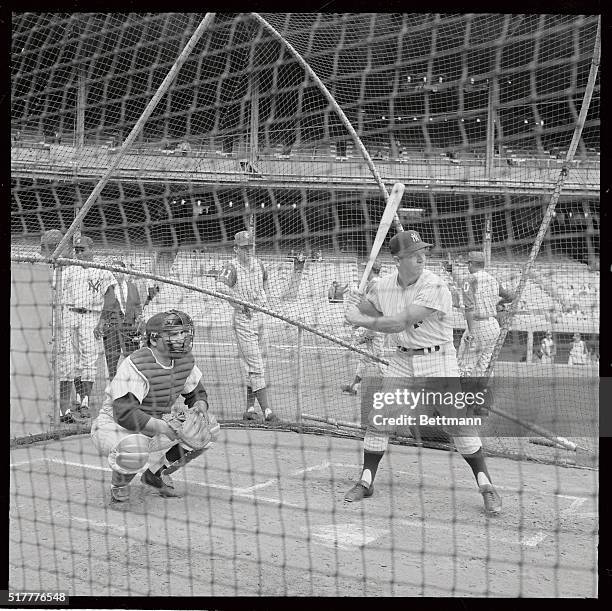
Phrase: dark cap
[407,242]
[165,321]
[83,241]
[475,256]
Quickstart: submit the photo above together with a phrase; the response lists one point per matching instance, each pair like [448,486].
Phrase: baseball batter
[83,298]
[368,340]
[246,278]
[130,428]
[481,294]
[414,305]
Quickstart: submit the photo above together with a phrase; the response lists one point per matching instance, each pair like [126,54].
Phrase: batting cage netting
[234,169]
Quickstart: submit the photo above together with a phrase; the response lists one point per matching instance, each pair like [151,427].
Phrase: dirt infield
[263,514]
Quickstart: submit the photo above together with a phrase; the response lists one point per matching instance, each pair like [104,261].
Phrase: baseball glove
[196,430]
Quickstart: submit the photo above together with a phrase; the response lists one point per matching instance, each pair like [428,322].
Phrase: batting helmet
[49,241]
[166,325]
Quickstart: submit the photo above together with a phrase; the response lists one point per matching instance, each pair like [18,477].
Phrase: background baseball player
[48,243]
[81,344]
[548,349]
[133,428]
[414,305]
[481,294]
[246,278]
[120,320]
[368,340]
[578,352]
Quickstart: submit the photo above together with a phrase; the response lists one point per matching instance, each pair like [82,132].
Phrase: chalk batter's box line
[320,467]
[330,533]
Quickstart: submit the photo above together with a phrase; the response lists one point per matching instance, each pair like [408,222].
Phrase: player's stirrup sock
[87,387]
[78,386]
[250,399]
[175,453]
[64,390]
[479,467]
[262,398]
[370,465]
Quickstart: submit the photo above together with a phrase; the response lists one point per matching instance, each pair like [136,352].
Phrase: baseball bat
[395,197]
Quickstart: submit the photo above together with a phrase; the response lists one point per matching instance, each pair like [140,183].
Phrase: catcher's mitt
[196,430]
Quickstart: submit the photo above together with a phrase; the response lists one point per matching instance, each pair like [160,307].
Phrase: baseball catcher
[137,426]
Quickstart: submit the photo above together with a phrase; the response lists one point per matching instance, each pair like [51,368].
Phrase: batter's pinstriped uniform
[414,305]
[433,335]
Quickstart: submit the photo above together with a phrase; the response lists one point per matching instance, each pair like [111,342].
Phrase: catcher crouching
[136,426]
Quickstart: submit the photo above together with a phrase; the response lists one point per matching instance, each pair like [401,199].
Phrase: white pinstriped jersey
[247,282]
[389,298]
[84,287]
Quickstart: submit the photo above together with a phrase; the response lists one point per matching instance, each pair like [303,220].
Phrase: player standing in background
[48,243]
[578,352]
[120,319]
[548,350]
[370,341]
[481,294]
[414,305]
[246,278]
[130,429]
[83,298]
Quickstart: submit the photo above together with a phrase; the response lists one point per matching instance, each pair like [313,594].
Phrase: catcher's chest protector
[165,385]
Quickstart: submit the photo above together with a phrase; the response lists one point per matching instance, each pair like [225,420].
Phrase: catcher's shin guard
[179,457]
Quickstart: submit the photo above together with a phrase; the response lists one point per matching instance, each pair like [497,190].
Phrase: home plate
[344,536]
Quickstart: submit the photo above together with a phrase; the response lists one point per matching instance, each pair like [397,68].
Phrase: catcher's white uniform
[106,433]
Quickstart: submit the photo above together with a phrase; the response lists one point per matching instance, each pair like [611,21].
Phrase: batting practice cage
[149,141]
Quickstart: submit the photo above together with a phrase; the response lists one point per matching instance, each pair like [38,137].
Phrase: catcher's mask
[166,327]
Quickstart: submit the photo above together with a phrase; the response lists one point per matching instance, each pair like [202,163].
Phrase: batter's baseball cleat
[66,418]
[250,415]
[349,390]
[359,491]
[120,494]
[164,486]
[492,500]
[272,419]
